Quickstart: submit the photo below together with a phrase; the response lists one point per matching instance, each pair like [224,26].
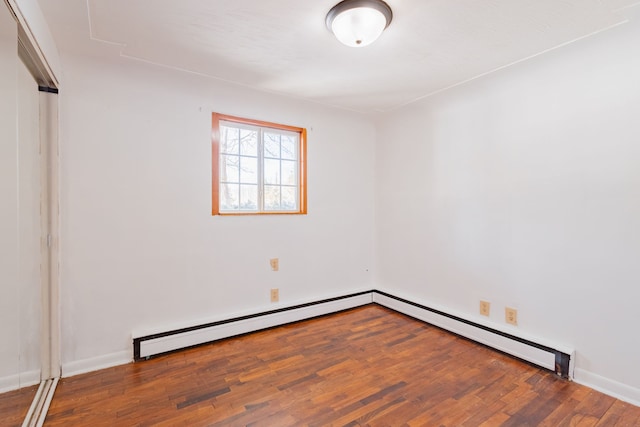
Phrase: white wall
[140,249]
[523,188]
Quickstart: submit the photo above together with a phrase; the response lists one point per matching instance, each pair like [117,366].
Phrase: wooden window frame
[215,164]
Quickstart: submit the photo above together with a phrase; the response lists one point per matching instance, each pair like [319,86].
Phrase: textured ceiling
[283,46]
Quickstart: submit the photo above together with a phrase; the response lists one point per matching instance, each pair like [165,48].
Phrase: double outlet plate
[275,266]
[510,314]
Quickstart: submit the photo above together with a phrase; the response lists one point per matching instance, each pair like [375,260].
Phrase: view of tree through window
[260,167]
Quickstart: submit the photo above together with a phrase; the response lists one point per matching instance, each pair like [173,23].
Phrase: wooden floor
[367,366]
[14,406]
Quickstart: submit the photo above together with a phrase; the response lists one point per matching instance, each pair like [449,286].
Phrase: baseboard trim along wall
[24,379]
[95,363]
[607,386]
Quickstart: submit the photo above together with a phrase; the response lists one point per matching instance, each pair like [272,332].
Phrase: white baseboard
[95,363]
[608,386]
[15,382]
[176,340]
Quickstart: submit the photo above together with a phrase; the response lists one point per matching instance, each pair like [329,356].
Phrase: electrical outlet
[511,316]
[275,264]
[275,295]
[485,308]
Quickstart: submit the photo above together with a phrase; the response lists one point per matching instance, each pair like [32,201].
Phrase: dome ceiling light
[358,23]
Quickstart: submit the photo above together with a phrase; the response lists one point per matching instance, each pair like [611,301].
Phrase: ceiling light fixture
[357,23]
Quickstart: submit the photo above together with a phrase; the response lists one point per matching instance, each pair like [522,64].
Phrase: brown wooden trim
[303,171]
[249,213]
[260,123]
[215,167]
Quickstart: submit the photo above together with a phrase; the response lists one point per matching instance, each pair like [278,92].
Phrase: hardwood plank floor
[366,366]
[14,406]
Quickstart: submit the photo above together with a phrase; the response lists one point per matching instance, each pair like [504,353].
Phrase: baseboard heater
[559,360]
[550,357]
[178,339]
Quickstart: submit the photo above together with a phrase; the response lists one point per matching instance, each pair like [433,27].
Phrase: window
[258,167]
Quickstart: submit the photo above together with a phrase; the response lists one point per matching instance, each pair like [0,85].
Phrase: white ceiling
[283,46]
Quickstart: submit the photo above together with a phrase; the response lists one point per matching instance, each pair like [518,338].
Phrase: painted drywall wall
[139,247]
[523,188]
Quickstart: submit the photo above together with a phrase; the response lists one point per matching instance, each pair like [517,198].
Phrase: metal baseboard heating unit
[145,346]
[552,357]
[559,360]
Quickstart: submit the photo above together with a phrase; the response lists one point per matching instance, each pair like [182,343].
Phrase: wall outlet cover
[511,316]
[485,308]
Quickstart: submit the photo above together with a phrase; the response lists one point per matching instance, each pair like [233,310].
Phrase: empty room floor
[365,366]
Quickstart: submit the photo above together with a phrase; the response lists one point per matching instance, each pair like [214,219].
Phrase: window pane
[229,170]
[260,169]
[248,170]
[289,199]
[229,140]
[272,145]
[249,197]
[229,197]
[248,142]
[289,172]
[271,171]
[271,197]
[289,145]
